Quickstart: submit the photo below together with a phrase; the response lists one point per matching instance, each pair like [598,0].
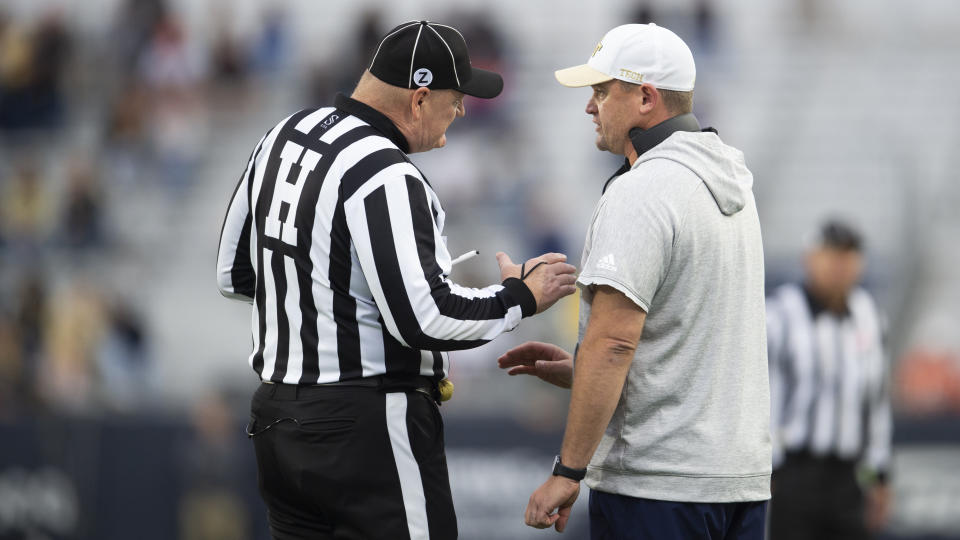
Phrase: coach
[335,237]
[673,424]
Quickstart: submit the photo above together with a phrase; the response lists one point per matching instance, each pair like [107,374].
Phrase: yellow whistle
[446,389]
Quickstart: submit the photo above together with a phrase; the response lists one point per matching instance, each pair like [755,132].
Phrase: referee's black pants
[351,463]
[816,498]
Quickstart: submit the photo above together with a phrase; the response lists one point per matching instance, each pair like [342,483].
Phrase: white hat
[636,53]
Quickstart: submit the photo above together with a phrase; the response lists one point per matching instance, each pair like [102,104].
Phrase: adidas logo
[607,263]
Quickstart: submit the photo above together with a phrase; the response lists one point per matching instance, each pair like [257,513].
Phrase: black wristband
[559,469]
[521,295]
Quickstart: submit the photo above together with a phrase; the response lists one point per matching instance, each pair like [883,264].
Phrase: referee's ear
[417,99]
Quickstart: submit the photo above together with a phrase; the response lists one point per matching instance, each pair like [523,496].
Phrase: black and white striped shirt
[335,237]
[829,381]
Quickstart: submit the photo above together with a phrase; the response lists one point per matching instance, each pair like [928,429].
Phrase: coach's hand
[545,360]
[557,492]
[548,282]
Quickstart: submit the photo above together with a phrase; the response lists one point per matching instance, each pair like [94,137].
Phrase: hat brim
[482,84]
[582,75]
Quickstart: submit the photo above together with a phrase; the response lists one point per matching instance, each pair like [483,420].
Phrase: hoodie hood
[720,167]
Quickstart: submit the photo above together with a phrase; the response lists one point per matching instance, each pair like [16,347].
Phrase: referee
[830,398]
[335,237]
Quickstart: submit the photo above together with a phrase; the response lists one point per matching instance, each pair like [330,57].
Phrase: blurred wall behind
[125,124]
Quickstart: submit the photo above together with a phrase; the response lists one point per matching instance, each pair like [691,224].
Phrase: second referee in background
[830,398]
[335,237]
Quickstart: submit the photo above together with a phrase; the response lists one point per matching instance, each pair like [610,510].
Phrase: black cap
[839,235]
[423,53]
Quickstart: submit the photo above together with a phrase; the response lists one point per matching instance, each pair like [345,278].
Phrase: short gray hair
[676,102]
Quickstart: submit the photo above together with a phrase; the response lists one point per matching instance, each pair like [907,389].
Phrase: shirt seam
[681,475]
[619,282]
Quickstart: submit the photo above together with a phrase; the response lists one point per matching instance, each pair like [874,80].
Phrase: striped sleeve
[236,278]
[877,453]
[880,431]
[406,265]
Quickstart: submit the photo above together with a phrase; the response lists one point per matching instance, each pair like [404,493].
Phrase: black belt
[383,383]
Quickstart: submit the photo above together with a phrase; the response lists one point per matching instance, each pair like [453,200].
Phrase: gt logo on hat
[636,53]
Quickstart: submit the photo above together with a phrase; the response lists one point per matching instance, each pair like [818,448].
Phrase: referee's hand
[548,276]
[557,493]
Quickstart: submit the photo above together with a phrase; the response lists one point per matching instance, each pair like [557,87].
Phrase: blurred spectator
[486,52]
[230,67]
[31,71]
[166,65]
[67,377]
[15,58]
[213,508]
[326,79]
[320,86]
[31,316]
[125,136]
[81,220]
[172,75]
[21,334]
[272,47]
[26,211]
[133,27]
[51,50]
[228,57]
[16,52]
[830,398]
[705,20]
[542,230]
[367,35]
[12,387]
[698,21]
[123,359]
[126,119]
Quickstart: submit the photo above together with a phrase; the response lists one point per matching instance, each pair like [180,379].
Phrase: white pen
[466,256]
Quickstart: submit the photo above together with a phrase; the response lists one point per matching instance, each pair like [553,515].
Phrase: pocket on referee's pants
[425,425]
[326,428]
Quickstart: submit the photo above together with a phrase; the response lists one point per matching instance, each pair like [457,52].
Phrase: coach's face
[616,108]
[438,109]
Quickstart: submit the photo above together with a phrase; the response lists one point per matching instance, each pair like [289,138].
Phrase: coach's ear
[649,98]
[417,100]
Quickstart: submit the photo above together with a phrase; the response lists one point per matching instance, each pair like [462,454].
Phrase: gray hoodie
[679,235]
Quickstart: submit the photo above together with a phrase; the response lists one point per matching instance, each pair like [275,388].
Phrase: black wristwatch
[559,469]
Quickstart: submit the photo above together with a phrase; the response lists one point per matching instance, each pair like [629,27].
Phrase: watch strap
[559,469]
